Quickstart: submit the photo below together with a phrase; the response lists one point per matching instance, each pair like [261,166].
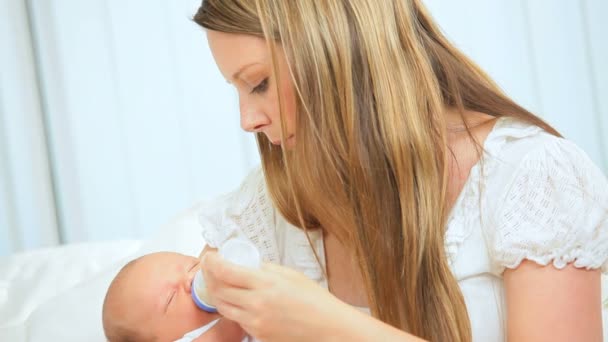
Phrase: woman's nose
[254,121]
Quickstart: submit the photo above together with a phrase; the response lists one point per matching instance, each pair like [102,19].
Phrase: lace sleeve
[554,210]
[246,212]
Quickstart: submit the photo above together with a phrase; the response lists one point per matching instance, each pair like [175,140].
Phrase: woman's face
[244,61]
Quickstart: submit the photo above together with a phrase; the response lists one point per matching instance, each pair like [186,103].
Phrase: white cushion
[57,295]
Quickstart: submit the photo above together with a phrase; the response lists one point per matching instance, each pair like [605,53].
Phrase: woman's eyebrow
[238,72]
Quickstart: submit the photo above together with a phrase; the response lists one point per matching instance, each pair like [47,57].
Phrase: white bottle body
[237,251]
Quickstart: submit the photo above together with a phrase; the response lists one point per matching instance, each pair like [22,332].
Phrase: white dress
[534,196]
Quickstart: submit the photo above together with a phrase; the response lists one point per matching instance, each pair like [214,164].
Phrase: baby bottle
[237,251]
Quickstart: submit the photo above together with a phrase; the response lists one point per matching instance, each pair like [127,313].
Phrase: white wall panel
[26,195]
[84,117]
[144,127]
[9,231]
[536,51]
[493,34]
[566,91]
[219,151]
[150,110]
[596,26]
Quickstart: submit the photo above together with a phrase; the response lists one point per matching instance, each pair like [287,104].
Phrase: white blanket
[56,294]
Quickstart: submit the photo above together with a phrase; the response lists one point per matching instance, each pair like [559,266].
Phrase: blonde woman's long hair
[373,79]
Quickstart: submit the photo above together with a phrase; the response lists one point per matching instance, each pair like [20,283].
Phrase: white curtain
[113,117]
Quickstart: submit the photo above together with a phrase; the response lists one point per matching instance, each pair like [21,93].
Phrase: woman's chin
[289,143]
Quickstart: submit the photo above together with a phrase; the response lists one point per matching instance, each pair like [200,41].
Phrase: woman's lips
[278,142]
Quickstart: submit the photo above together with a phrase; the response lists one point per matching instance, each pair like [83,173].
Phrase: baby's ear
[205,250]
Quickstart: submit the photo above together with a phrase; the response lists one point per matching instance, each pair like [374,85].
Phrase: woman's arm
[362,327]
[547,304]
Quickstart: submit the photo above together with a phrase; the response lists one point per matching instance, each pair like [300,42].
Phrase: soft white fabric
[192,335]
[28,280]
[57,294]
[533,196]
[555,209]
[242,213]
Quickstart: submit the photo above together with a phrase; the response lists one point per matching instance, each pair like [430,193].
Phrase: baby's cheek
[170,328]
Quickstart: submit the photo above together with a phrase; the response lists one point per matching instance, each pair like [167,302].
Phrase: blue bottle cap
[197,300]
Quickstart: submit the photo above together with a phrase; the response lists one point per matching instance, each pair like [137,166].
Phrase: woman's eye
[260,88]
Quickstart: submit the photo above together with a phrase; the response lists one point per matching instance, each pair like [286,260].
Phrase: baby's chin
[167,330]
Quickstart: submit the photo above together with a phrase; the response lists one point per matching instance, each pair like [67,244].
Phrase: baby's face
[157,296]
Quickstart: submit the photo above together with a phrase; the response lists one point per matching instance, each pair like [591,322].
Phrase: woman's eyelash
[260,88]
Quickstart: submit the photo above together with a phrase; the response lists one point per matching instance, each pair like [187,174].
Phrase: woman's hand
[275,303]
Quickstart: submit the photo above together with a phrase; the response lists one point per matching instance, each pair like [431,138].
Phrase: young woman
[399,177]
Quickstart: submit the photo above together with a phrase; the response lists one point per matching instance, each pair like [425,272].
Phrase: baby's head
[150,300]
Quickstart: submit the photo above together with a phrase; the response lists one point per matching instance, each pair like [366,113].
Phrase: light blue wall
[124,99]
[140,121]
[27,207]
[548,55]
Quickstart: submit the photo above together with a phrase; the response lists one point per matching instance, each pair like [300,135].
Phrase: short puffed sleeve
[246,212]
[553,209]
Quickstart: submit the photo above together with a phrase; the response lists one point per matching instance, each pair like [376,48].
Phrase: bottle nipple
[237,251]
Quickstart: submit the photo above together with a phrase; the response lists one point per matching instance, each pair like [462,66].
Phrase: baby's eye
[169,300]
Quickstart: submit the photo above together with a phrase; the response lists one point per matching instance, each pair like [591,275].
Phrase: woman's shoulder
[547,200]
[517,150]
[512,140]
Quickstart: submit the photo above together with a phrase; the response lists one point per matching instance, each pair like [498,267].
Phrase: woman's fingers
[242,298]
[232,312]
[216,268]
[274,270]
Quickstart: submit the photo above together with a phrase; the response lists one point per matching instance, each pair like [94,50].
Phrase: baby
[150,300]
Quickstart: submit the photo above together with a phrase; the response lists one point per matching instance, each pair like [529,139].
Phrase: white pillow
[31,278]
[76,314]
